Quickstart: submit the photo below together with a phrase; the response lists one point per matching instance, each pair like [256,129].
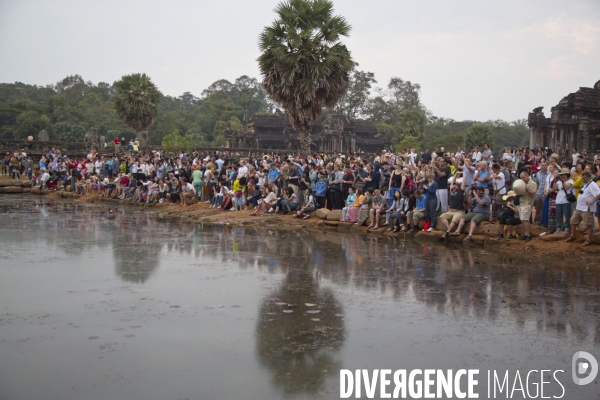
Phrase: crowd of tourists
[402,191]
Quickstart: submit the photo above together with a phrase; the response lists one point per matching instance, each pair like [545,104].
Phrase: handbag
[426,225]
[570,196]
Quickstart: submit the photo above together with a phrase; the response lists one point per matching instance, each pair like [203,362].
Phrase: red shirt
[117,141]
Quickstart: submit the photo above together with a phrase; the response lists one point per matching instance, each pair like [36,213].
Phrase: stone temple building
[574,122]
[330,133]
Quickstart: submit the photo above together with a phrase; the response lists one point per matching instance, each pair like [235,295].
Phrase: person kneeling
[509,215]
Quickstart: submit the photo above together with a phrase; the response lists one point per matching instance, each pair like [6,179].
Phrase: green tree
[478,135]
[450,142]
[408,142]
[412,123]
[136,101]
[176,142]
[304,65]
[353,103]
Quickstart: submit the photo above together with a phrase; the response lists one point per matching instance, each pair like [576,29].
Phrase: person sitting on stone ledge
[352,212]
[378,206]
[418,212]
[456,207]
[396,215]
[308,207]
[349,201]
[363,211]
[481,211]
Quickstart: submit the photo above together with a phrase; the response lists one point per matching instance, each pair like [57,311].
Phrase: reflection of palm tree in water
[300,352]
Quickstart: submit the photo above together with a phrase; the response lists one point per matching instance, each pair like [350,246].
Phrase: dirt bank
[549,246]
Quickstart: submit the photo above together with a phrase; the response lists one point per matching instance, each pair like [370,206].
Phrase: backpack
[410,184]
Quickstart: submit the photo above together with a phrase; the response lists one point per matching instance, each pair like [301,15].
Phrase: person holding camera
[563,187]
[585,209]
[442,173]
[481,211]
[526,201]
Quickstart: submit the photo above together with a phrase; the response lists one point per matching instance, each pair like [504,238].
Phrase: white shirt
[561,197]
[242,171]
[413,158]
[188,188]
[590,191]
[477,156]
[575,158]
[499,183]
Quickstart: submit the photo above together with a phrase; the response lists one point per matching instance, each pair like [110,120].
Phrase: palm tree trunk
[305,141]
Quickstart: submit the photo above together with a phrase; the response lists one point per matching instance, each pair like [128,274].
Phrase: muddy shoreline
[549,248]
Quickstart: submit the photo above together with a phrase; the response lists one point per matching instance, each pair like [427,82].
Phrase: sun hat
[565,171]
[555,156]
[509,195]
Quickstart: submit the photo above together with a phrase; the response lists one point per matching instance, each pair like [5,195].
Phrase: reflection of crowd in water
[457,281]
[461,282]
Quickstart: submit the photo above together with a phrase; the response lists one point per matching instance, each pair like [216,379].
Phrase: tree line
[69,108]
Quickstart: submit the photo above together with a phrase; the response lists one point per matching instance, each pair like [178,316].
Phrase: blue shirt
[430,191]
[273,174]
[320,189]
[483,174]
[541,181]
[482,209]
[421,202]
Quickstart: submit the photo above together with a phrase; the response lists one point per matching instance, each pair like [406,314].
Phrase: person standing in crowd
[442,173]
[585,209]
[335,188]
[540,177]
[564,189]
[526,201]
[431,205]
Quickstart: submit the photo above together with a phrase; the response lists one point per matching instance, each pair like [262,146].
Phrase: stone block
[11,189]
[321,213]
[555,237]
[334,215]
[596,237]
[435,236]
[478,240]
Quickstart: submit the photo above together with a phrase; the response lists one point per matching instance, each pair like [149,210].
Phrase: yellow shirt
[358,201]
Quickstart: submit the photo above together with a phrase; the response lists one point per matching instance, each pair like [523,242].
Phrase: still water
[120,304]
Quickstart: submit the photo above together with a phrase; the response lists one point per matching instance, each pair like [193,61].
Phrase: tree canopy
[304,65]
[69,108]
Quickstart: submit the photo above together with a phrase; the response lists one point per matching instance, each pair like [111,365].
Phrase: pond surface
[99,303]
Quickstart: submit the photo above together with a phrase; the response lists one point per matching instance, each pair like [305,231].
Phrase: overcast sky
[475,60]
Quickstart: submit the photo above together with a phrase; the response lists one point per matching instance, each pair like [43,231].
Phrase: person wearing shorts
[589,194]
[456,207]
[526,202]
[481,212]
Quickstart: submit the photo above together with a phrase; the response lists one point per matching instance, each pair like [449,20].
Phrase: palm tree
[304,65]
[136,102]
